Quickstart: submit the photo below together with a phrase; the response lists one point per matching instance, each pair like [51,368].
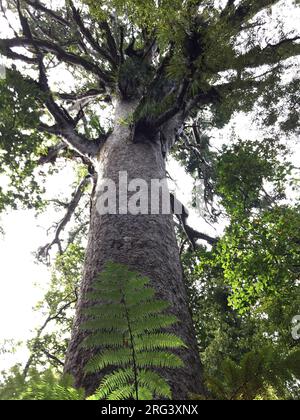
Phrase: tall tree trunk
[147,244]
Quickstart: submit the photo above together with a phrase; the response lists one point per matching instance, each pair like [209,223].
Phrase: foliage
[259,257]
[50,343]
[261,375]
[19,142]
[248,355]
[45,385]
[245,169]
[129,328]
[48,387]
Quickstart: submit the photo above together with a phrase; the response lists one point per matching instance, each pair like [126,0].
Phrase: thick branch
[272,54]
[195,235]
[110,41]
[183,215]
[39,6]
[52,154]
[53,357]
[215,93]
[245,11]
[178,105]
[6,50]
[45,46]
[77,142]
[65,124]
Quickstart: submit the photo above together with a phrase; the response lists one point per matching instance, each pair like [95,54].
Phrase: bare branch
[40,331]
[43,252]
[53,357]
[246,10]
[272,54]
[89,37]
[45,46]
[80,144]
[39,6]
[110,41]
[182,216]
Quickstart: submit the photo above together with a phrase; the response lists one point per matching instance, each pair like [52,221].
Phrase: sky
[23,282]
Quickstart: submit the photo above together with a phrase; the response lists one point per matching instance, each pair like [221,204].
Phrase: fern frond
[105,324]
[154,323]
[111,339]
[138,312]
[126,392]
[128,326]
[114,310]
[158,341]
[139,296]
[155,383]
[158,359]
[144,393]
[115,380]
[114,357]
[48,388]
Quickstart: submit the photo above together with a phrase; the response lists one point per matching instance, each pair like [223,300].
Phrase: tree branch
[112,45]
[182,216]
[170,113]
[245,10]
[272,54]
[45,46]
[89,37]
[77,142]
[53,357]
[43,252]
[52,153]
[40,332]
[39,6]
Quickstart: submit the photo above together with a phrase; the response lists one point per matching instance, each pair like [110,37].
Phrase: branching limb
[89,37]
[215,93]
[236,16]
[37,5]
[65,125]
[272,54]
[43,252]
[77,142]
[52,357]
[52,153]
[191,234]
[176,108]
[112,45]
[46,46]
[40,331]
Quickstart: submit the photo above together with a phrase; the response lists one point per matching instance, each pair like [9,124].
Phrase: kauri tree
[119,85]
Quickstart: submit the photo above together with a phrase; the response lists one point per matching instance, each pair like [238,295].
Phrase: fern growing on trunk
[129,327]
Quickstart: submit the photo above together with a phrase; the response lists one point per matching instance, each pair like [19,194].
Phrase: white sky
[25,234]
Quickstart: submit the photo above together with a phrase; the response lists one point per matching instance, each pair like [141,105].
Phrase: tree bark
[147,244]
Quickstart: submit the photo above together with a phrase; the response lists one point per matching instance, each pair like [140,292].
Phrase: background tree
[169,72]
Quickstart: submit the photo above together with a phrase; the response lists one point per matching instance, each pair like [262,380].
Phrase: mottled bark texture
[147,244]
